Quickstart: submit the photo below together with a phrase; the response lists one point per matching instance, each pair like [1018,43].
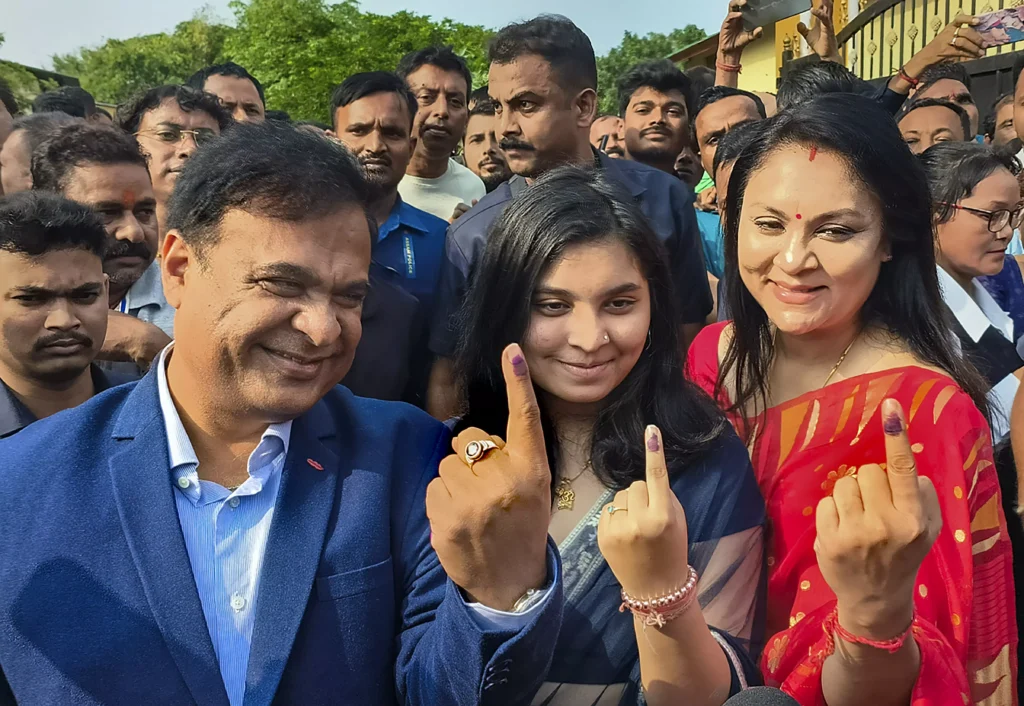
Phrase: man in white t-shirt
[434,182]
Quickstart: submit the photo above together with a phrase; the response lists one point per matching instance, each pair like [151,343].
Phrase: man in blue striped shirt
[234,529]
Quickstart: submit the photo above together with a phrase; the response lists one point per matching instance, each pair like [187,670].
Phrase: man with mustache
[102,167]
[171,122]
[543,80]
[373,115]
[236,528]
[655,114]
[53,312]
[434,182]
[483,156]
[606,135]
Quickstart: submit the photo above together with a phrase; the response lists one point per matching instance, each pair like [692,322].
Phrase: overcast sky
[34,30]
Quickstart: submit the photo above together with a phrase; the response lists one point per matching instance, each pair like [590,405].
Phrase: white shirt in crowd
[440,196]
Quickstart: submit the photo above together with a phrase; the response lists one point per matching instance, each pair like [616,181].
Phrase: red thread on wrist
[730,68]
[833,629]
[914,82]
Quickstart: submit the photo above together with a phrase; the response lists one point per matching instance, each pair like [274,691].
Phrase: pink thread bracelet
[833,629]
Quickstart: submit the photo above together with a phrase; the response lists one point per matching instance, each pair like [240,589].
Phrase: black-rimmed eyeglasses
[997,220]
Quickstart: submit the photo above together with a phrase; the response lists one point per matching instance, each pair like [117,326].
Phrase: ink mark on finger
[519,365]
[652,444]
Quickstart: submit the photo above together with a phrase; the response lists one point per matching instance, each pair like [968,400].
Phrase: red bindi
[814,153]
[798,216]
[128,197]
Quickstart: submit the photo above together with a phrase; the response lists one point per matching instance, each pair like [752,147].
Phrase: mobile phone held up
[1001,27]
[765,13]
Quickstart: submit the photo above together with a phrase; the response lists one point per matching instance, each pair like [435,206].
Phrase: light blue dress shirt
[226,536]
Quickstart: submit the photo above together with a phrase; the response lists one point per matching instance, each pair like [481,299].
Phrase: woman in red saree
[832,286]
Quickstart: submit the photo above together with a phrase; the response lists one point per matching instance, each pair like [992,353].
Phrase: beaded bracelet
[661,609]
[832,629]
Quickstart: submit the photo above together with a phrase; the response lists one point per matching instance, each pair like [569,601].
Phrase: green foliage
[23,83]
[302,49]
[634,49]
[118,68]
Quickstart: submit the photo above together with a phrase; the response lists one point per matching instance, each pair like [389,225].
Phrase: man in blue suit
[234,529]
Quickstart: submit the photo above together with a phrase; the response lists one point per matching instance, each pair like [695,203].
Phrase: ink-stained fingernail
[519,365]
[653,444]
[893,425]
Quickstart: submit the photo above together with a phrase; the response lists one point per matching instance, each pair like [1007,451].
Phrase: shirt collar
[179,447]
[402,214]
[147,290]
[14,416]
[977,311]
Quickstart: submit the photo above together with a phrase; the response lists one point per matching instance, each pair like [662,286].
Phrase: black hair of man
[732,144]
[313,123]
[661,75]
[937,72]
[129,114]
[988,125]
[370,83]
[443,57]
[717,93]
[913,105]
[555,39]
[807,82]
[76,102]
[37,222]
[228,68]
[39,126]
[279,115]
[75,145]
[269,170]
[484,106]
[479,95]
[8,99]
[701,79]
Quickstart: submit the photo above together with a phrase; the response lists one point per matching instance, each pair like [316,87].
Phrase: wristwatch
[528,600]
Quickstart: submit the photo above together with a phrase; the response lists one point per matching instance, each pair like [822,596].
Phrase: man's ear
[586,107]
[176,256]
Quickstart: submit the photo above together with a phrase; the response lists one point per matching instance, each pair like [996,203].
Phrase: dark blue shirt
[411,243]
[666,201]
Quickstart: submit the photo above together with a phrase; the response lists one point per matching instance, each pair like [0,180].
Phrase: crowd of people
[713,400]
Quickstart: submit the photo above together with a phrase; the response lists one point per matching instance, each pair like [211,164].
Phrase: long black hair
[570,206]
[906,300]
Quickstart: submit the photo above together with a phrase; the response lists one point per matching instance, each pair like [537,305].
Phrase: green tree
[23,83]
[115,70]
[632,50]
[302,49]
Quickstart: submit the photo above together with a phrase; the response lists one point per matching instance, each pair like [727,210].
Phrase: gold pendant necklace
[565,496]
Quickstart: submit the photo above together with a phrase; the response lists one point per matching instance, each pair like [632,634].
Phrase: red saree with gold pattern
[966,627]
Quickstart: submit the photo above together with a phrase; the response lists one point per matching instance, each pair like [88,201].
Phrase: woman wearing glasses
[976,204]
[889,569]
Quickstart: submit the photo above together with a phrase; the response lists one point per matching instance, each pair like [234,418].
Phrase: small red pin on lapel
[314,464]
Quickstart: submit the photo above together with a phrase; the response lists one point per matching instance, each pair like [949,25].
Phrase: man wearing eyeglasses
[170,123]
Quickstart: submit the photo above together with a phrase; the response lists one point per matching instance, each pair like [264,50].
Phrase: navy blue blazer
[98,604]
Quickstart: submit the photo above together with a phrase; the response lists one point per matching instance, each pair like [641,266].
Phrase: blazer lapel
[296,540]
[140,471]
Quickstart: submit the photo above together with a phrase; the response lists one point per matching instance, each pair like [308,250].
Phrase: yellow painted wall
[760,69]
